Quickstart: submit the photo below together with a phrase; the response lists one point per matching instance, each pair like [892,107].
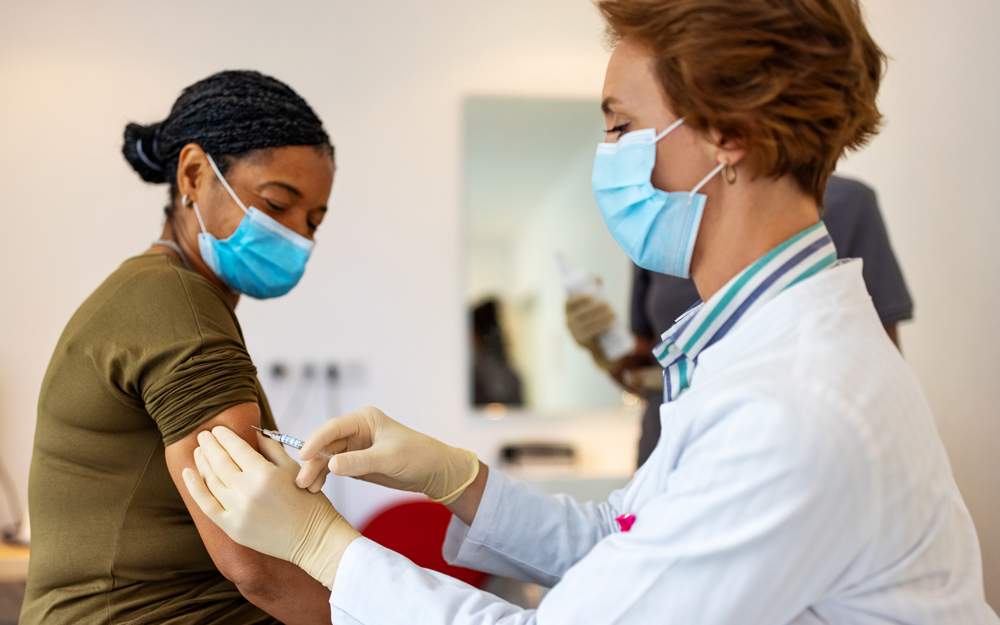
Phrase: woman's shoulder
[153,294]
[162,282]
[156,271]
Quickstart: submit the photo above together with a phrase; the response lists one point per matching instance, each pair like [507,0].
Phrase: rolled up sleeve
[198,388]
[192,362]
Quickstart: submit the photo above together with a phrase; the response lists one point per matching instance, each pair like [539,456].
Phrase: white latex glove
[370,446]
[276,453]
[258,505]
[587,318]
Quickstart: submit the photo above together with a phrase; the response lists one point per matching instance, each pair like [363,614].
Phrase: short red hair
[791,81]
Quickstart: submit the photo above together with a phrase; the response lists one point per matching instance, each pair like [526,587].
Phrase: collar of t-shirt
[706,323]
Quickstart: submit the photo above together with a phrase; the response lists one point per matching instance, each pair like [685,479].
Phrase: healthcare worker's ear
[730,152]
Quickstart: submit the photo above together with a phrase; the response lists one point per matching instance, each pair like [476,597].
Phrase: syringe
[285,439]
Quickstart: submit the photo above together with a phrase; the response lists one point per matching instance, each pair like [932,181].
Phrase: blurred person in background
[494,380]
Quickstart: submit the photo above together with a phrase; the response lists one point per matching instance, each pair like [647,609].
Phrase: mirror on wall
[527,197]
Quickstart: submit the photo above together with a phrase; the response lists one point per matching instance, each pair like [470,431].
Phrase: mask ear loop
[706,179]
[197,213]
[222,179]
[669,129]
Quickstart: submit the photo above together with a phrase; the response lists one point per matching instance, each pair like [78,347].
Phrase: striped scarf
[705,323]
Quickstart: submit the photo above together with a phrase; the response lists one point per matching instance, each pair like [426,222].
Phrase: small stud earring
[729,173]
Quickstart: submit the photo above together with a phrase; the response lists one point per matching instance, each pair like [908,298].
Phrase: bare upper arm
[241,565]
[890,329]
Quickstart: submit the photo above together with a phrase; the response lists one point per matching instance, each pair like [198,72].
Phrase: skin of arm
[280,588]
[466,506]
[641,356]
[890,329]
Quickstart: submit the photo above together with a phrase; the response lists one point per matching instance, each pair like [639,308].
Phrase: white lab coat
[800,480]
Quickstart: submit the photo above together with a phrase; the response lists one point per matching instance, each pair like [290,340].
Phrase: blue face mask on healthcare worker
[656,229]
[262,258]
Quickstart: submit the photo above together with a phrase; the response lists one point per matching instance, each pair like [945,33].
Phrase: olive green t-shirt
[153,353]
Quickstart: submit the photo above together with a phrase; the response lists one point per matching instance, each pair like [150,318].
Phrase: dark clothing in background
[494,381]
[856,227]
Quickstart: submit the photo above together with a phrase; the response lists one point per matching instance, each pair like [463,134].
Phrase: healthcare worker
[852,217]
[799,478]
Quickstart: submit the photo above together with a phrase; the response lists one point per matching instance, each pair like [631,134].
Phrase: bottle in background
[617,341]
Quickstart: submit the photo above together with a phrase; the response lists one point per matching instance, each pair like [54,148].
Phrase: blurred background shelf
[13,573]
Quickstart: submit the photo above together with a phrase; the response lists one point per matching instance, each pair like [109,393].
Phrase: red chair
[416,530]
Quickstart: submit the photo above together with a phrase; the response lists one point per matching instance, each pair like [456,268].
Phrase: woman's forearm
[287,593]
[466,506]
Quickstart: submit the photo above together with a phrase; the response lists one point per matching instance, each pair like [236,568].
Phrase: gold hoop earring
[729,173]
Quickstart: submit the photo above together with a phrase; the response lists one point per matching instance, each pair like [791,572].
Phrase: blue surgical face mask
[262,258]
[656,229]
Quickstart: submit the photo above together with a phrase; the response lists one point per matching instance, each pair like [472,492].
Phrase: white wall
[385,284]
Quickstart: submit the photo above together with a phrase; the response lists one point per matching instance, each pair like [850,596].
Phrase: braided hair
[229,115]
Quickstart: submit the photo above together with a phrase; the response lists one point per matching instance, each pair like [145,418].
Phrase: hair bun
[141,150]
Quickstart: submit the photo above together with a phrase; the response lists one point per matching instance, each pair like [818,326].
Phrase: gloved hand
[259,506]
[275,452]
[369,445]
[588,318]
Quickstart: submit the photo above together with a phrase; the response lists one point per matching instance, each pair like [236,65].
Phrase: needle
[285,439]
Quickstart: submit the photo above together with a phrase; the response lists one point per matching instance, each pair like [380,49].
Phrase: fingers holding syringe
[333,437]
[367,464]
[312,474]
[317,484]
